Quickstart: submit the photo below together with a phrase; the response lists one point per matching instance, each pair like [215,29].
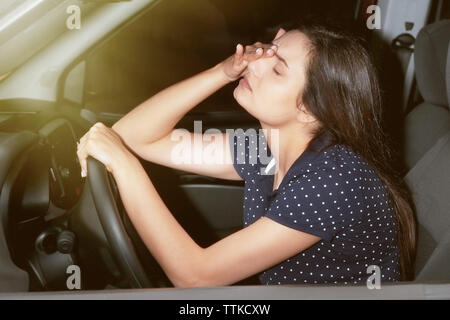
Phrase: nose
[257,67]
[253,67]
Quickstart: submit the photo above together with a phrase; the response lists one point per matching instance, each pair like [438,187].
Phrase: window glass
[177,39]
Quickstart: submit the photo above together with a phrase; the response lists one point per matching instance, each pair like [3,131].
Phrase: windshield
[27,26]
[153,49]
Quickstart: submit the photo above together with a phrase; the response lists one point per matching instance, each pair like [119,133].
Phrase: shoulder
[336,172]
[339,162]
[325,194]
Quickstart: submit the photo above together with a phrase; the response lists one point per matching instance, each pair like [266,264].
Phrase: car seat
[429,121]
[427,133]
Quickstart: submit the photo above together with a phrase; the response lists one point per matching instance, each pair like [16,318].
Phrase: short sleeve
[245,147]
[316,202]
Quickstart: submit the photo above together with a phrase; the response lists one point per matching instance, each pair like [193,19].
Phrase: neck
[286,147]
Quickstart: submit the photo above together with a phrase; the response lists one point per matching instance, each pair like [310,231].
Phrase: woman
[333,206]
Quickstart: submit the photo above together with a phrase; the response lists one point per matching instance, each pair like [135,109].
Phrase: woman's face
[276,82]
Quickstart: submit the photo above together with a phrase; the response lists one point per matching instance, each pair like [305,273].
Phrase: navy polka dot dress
[333,194]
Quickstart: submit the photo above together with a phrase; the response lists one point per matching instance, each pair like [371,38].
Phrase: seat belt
[403,46]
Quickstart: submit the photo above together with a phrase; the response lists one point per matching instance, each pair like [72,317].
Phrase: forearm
[176,252]
[156,117]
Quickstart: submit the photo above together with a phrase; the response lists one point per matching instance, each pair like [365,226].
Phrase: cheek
[271,102]
[277,100]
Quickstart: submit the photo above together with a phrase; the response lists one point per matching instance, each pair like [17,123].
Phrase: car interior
[52,218]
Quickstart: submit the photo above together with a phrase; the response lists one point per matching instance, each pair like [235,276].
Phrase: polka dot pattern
[333,194]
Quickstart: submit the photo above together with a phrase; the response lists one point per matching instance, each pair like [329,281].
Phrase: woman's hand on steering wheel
[103,144]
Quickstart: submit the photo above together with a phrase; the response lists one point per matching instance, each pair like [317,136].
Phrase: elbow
[183,281]
[191,281]
[196,278]
[185,284]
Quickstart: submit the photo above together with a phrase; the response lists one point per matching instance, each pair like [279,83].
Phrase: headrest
[431,62]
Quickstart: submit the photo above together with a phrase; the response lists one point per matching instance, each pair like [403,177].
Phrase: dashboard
[41,180]
[47,181]
[65,182]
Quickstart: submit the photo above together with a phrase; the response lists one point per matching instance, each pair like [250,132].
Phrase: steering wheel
[108,213]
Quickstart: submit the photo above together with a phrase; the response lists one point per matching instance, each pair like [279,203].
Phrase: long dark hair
[343,93]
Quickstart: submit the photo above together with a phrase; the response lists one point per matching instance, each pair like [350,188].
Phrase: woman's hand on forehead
[258,50]
[235,65]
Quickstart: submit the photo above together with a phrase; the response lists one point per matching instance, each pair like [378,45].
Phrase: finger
[238,54]
[82,151]
[242,64]
[82,159]
[271,50]
[98,125]
[91,129]
[237,58]
[84,137]
[239,49]
[252,53]
[82,156]
[82,163]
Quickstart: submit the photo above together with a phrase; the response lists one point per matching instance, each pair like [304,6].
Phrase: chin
[247,105]
[242,101]
[255,109]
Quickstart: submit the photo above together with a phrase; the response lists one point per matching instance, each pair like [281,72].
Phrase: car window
[27,27]
[445,10]
[177,39]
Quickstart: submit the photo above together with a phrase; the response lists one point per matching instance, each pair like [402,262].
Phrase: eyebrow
[279,57]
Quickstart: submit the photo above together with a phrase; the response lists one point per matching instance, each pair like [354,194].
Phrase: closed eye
[276,72]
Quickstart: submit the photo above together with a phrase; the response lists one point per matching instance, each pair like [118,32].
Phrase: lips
[244,81]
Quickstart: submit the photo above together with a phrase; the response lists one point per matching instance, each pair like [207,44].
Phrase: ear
[280,33]
[304,115]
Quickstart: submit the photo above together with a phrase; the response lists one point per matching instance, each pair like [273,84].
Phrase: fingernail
[273,47]
[259,50]
[269,51]
[83,173]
